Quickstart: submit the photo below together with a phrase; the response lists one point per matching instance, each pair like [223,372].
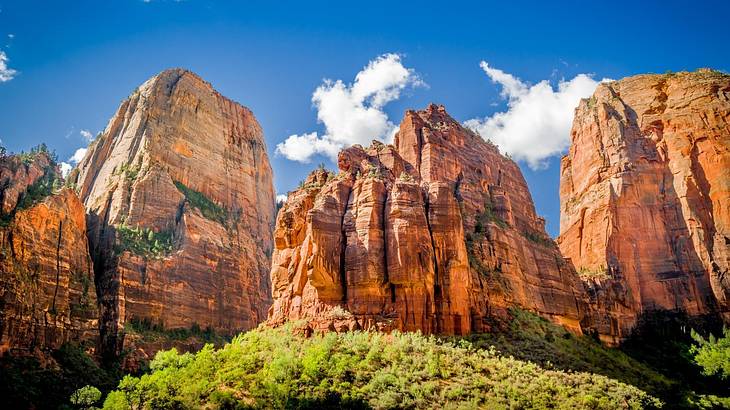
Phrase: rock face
[47,294]
[180,199]
[437,233]
[645,196]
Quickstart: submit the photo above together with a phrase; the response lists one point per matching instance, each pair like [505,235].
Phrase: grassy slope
[268,368]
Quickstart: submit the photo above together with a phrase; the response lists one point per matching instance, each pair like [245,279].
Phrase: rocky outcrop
[437,233]
[179,193]
[645,196]
[47,294]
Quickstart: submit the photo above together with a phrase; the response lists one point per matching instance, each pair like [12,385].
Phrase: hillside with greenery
[276,368]
[661,357]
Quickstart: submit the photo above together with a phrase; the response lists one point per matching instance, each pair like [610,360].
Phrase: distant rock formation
[180,199]
[47,294]
[645,197]
[436,233]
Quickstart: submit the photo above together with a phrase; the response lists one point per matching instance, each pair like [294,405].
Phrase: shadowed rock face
[183,172]
[436,233]
[645,196]
[47,294]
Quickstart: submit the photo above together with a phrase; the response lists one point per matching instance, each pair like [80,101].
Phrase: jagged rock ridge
[645,197]
[179,193]
[437,233]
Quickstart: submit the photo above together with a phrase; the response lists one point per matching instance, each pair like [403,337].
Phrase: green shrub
[587,273]
[712,354]
[156,331]
[143,241]
[276,368]
[35,152]
[36,193]
[129,172]
[539,239]
[198,200]
[85,397]
[654,358]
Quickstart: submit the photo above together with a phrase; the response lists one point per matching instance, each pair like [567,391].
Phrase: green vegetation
[654,359]
[25,383]
[83,306]
[35,152]
[152,332]
[712,354]
[129,172]
[275,368]
[37,192]
[373,172]
[86,397]
[587,273]
[474,239]
[488,215]
[405,177]
[539,239]
[198,200]
[143,242]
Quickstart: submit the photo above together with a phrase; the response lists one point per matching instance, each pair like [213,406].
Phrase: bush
[198,200]
[37,192]
[276,368]
[156,331]
[85,397]
[143,242]
[712,354]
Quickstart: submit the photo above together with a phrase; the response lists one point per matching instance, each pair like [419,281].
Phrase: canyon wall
[645,197]
[47,294]
[437,233]
[178,190]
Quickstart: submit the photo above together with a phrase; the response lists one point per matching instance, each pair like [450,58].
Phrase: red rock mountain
[437,233]
[47,294]
[179,193]
[645,196]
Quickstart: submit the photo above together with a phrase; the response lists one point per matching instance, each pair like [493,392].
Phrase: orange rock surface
[180,163]
[645,197]
[437,233]
[47,294]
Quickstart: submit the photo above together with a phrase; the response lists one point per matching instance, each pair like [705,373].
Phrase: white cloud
[353,113]
[537,123]
[6,73]
[87,135]
[281,198]
[78,155]
[66,167]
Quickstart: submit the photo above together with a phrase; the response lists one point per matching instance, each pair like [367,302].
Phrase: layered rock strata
[436,233]
[645,197]
[47,294]
[180,199]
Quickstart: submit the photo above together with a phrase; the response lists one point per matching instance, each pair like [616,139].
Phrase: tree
[86,397]
[712,354]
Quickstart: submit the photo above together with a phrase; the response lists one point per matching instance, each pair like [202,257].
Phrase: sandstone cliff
[47,294]
[179,193]
[437,233]
[645,196]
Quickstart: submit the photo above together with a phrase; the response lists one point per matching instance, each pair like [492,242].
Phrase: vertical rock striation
[47,294]
[645,197]
[179,193]
[436,233]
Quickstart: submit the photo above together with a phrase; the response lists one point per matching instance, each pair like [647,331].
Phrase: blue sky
[77,60]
